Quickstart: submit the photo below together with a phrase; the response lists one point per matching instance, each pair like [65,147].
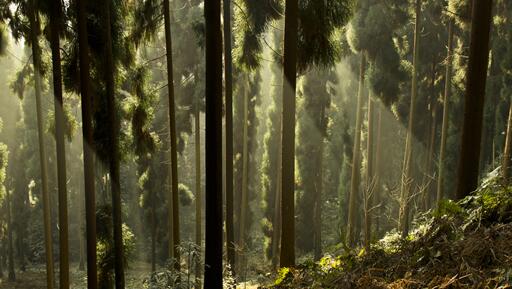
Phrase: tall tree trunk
[276,225]
[173,200]
[377,176]
[446,111]
[370,180]
[245,162]
[508,146]
[113,147]
[228,78]
[199,196]
[88,146]
[405,190]
[213,239]
[55,17]
[287,258]
[356,157]
[467,180]
[36,58]
[318,191]
[12,274]
[428,176]
[81,229]
[153,231]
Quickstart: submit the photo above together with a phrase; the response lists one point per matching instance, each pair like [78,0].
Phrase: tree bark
[12,274]
[370,185]
[405,189]
[276,225]
[356,157]
[467,180]
[113,147]
[199,196]
[287,257]
[213,236]
[228,78]
[378,152]
[318,191]
[508,147]
[446,111]
[245,161]
[174,199]
[36,58]
[55,17]
[88,146]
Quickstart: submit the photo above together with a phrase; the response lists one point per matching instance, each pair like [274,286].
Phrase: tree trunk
[12,274]
[377,176]
[276,225]
[153,231]
[88,146]
[370,185]
[356,157]
[113,147]
[287,258]
[318,195]
[81,230]
[245,161]
[228,78]
[174,199]
[55,17]
[467,180]
[406,185]
[213,239]
[508,146]
[446,110]
[199,196]
[36,58]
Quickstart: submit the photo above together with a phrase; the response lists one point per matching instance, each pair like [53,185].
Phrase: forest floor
[35,277]
[465,244]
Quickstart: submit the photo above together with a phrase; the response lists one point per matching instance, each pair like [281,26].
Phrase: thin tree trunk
[244,198]
[88,146]
[378,152]
[369,175]
[430,158]
[55,16]
[406,185]
[153,231]
[199,196]
[276,234]
[467,180]
[81,230]
[446,111]
[36,58]
[213,236]
[287,258]
[356,157]
[114,158]
[508,146]
[228,78]
[318,195]
[12,274]
[173,200]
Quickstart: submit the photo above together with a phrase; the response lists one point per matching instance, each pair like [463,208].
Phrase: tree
[113,147]
[88,145]
[446,107]
[287,258]
[173,200]
[405,189]
[228,79]
[467,179]
[55,26]
[213,239]
[356,157]
[36,59]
